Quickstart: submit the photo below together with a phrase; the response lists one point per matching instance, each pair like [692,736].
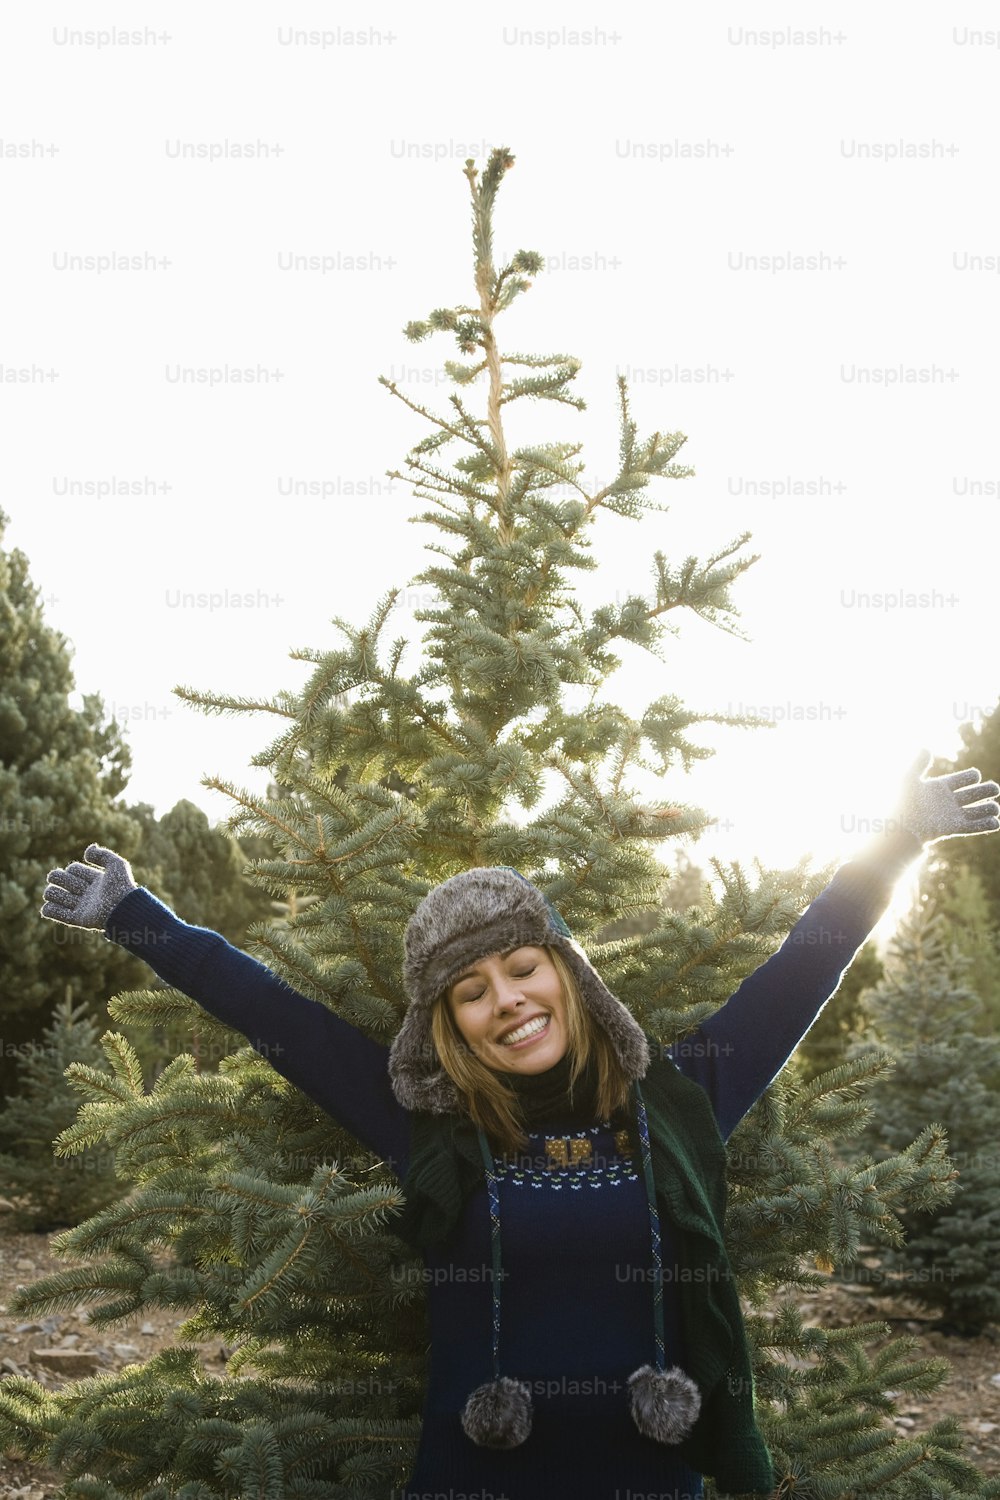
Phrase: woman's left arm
[740,1049]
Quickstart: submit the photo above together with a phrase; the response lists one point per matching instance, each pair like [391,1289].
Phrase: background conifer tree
[63,775]
[196,869]
[277,1230]
[980,738]
[48,1191]
[964,884]
[927,1017]
[61,770]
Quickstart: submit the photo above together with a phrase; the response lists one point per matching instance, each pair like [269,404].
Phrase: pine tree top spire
[485,715]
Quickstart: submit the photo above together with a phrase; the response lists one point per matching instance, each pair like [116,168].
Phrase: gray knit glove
[945,807]
[86,895]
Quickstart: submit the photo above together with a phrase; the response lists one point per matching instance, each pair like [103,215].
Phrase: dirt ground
[26,1258]
[972,1393]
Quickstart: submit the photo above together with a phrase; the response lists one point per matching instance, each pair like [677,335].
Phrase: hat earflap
[498,1414]
[664,1403]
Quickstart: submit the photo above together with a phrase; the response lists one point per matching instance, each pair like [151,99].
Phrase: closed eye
[481,993]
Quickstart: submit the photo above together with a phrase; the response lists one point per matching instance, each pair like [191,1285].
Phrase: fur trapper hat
[482,911]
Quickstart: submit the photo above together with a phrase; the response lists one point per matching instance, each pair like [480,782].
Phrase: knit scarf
[689,1163]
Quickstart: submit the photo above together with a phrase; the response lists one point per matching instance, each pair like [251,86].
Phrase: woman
[595,1348]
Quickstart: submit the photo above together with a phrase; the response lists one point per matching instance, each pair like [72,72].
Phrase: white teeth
[524,1031]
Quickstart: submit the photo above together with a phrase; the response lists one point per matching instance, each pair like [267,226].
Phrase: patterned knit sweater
[576,1237]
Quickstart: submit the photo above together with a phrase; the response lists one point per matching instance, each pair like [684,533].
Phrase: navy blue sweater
[577,1293]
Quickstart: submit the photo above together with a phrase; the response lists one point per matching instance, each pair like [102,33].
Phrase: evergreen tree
[276,1228]
[61,770]
[47,1191]
[960,893]
[965,906]
[926,1015]
[964,883]
[198,869]
[686,884]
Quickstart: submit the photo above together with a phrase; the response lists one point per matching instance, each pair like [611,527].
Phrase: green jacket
[689,1173]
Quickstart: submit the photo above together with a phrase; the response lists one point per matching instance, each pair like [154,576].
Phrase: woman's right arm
[343,1070]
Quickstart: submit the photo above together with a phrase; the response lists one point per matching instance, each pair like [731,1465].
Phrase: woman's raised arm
[740,1049]
[345,1072]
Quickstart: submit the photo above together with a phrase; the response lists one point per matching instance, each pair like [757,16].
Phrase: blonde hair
[489,1101]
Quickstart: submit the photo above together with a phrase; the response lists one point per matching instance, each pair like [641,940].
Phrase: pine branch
[219,704]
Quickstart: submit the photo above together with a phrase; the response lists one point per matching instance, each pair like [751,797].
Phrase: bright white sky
[372,143]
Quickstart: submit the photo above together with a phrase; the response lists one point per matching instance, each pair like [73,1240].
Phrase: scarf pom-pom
[498,1414]
[665,1403]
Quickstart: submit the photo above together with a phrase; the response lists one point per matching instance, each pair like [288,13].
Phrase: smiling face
[495,997]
